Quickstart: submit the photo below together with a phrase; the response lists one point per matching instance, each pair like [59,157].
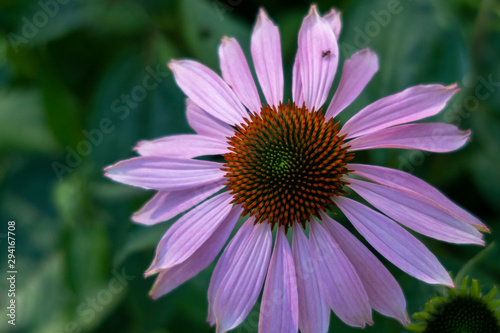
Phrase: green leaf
[204,23]
[50,20]
[62,110]
[87,266]
[140,239]
[485,161]
[138,100]
[119,18]
[22,122]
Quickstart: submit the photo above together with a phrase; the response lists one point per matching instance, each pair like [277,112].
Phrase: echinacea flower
[460,310]
[287,164]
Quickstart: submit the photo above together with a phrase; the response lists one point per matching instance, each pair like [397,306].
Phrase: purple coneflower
[287,164]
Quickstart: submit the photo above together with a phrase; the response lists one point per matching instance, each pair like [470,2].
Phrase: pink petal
[225,262]
[173,277]
[184,146]
[297,93]
[405,181]
[339,282]
[166,205]
[266,54]
[279,311]
[236,73]
[314,313]
[435,137]
[417,212]
[243,270]
[409,105]
[384,293]
[333,18]
[190,232]
[318,55]
[395,243]
[357,72]
[207,90]
[206,124]
[165,173]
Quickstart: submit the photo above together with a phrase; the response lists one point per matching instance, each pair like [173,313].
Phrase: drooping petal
[244,271]
[339,282]
[435,137]
[358,70]
[297,93]
[395,243]
[166,205]
[184,146]
[165,173]
[236,73]
[318,55]
[173,277]
[417,212]
[207,90]
[333,18]
[190,232]
[206,124]
[279,311]
[266,55]
[384,293]
[409,105]
[405,181]
[314,313]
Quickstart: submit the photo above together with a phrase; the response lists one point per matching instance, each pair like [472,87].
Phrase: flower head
[288,165]
[460,310]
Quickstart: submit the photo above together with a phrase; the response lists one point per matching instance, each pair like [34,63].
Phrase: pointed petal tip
[262,14]
[225,39]
[110,168]
[447,281]
[453,87]
[365,50]
[108,173]
[333,11]
[405,319]
[263,17]
[313,9]
[172,63]
[136,218]
[139,144]
[153,294]
[151,271]
[483,228]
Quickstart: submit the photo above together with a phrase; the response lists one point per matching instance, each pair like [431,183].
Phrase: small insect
[326,54]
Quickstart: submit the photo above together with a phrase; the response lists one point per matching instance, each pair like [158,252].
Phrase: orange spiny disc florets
[285,164]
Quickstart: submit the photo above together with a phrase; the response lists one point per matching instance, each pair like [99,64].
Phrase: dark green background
[56,82]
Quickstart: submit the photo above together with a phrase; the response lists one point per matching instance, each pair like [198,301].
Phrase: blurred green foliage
[66,69]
